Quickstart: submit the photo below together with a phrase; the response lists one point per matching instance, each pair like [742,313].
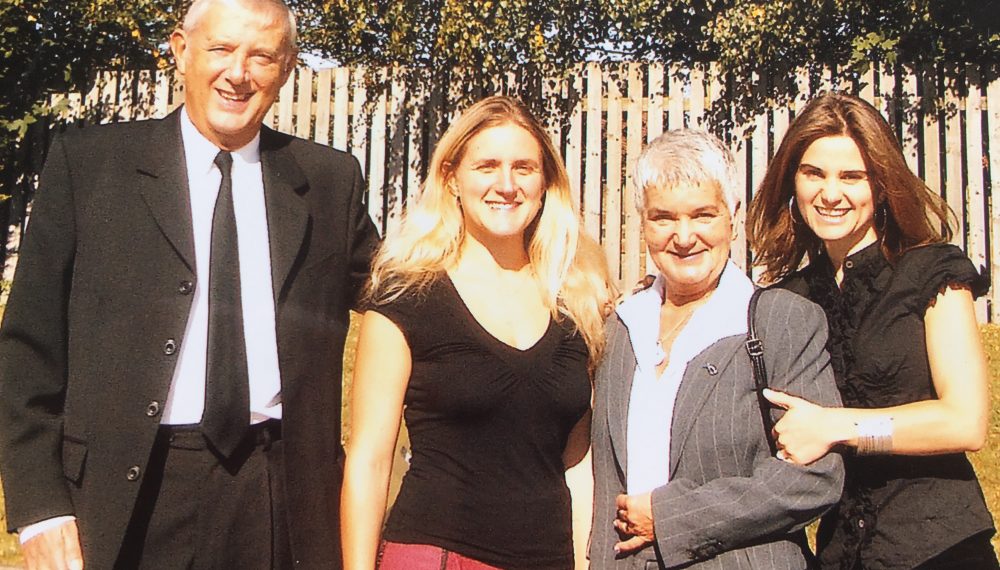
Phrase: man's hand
[634,522]
[55,549]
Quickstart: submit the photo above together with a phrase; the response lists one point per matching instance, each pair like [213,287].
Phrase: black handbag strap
[755,349]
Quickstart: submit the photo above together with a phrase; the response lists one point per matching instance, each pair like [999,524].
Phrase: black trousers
[199,511]
[973,553]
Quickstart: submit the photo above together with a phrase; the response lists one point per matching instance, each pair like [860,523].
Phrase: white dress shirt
[651,402]
[186,399]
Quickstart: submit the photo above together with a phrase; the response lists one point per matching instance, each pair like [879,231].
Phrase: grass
[9,552]
[986,461]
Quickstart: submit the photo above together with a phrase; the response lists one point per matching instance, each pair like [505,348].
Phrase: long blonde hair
[569,266]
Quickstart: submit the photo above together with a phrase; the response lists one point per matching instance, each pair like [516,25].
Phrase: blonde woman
[484,323]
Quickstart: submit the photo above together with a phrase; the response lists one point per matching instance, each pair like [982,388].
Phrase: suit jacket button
[185,287]
[152,408]
[133,473]
[170,347]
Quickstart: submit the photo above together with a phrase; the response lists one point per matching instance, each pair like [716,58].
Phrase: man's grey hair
[689,157]
[198,8]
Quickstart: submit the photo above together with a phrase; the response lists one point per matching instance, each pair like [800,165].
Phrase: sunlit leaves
[50,46]
[851,34]
[484,38]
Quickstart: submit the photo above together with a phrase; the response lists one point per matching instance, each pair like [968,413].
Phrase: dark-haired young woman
[904,341]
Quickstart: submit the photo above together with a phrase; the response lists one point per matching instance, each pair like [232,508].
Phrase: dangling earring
[880,226]
[791,212]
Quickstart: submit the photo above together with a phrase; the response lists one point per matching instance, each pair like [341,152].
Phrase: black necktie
[227,391]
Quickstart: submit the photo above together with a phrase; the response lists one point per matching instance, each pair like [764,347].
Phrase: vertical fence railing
[950,136]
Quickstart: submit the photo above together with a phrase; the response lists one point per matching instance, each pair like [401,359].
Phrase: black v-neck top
[488,424]
[897,511]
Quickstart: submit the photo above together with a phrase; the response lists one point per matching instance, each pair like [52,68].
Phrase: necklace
[662,342]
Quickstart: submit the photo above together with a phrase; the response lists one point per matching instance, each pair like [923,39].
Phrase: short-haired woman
[683,470]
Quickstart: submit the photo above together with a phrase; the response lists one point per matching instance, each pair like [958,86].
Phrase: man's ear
[178,47]
[290,61]
[293,60]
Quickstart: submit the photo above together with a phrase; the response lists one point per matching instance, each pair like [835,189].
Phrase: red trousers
[399,556]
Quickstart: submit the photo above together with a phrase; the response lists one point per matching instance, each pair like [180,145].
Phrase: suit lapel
[622,371]
[700,379]
[163,184]
[287,212]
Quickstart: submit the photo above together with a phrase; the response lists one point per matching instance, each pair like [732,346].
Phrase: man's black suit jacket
[102,292]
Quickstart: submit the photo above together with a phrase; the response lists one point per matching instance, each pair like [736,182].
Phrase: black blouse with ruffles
[897,511]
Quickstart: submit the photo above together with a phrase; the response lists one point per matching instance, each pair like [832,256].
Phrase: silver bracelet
[874,436]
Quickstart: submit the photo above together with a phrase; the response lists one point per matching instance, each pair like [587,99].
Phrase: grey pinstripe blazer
[728,504]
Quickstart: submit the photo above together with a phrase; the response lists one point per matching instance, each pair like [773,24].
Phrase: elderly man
[171,353]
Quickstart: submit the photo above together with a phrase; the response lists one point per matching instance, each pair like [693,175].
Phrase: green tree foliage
[667,30]
[847,36]
[459,46]
[486,38]
[936,39]
[50,46]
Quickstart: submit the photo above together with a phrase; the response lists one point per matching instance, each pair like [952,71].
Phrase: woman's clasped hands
[634,522]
